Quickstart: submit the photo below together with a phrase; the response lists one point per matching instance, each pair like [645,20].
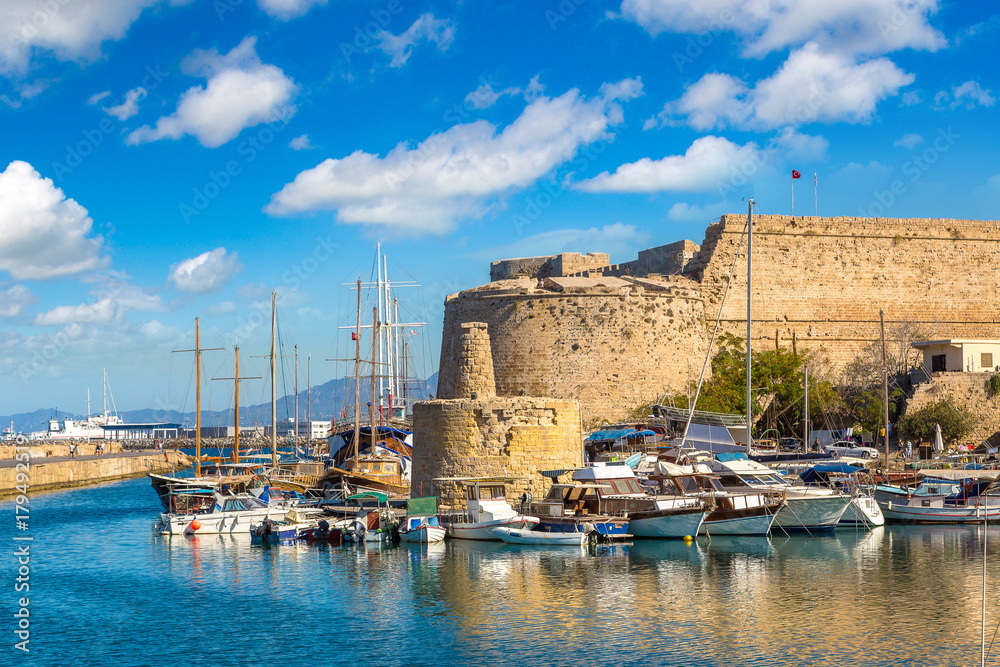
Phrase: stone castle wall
[818,284]
[611,346]
[822,281]
[494,437]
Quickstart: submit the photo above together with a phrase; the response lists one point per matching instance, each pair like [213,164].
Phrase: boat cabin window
[623,486]
[714,484]
[234,506]
[687,484]
[731,480]
[486,492]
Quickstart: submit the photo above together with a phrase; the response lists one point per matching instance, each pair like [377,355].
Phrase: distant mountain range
[325,401]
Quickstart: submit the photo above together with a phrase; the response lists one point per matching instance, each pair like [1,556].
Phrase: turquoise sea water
[106,591]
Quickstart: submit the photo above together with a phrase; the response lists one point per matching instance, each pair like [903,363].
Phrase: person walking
[72,451]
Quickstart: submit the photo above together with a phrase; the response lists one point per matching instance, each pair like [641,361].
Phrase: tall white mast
[296,394]
[274,395]
[749,285]
[379,319]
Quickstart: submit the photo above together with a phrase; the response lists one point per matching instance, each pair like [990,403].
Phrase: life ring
[878,471]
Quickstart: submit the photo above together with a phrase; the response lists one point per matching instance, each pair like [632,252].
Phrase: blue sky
[163,160]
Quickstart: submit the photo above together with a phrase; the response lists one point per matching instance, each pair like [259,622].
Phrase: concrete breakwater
[54,472]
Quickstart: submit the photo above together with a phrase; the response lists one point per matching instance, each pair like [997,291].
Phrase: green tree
[919,425]
[778,381]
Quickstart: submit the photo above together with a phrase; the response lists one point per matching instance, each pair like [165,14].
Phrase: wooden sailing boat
[372,471]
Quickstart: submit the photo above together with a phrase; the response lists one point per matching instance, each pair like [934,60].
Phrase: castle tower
[475,360]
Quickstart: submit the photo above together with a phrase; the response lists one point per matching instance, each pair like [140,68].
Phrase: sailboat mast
[805,418]
[236,408]
[274,395]
[378,318]
[296,395]
[373,413]
[885,389]
[357,380]
[749,296]
[309,424]
[197,400]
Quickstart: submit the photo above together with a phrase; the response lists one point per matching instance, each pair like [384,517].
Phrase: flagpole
[793,195]
[816,193]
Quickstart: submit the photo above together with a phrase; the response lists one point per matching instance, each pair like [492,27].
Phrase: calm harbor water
[106,591]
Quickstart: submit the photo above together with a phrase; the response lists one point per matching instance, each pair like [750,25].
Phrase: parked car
[845,448]
[791,445]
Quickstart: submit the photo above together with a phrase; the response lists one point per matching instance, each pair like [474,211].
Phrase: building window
[986,360]
[938,363]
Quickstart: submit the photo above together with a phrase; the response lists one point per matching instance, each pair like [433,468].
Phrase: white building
[307,430]
[962,355]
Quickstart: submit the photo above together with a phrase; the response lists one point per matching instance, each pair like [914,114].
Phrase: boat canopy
[959,474]
[614,434]
[709,437]
[381,497]
[422,506]
[820,473]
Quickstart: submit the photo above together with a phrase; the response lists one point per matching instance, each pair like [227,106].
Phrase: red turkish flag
[354,335]
[796,174]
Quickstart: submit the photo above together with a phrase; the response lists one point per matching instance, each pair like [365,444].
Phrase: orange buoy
[195,525]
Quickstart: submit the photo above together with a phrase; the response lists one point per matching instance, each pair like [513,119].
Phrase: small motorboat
[422,523]
[526,536]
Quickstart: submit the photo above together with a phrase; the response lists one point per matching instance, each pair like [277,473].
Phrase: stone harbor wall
[620,335]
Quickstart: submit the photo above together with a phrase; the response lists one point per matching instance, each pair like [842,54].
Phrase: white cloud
[42,233]
[224,308]
[706,162]
[156,330]
[115,297]
[15,300]
[426,27]
[616,239]
[97,97]
[301,143]
[910,98]
[713,101]
[908,141]
[22,92]
[67,30]
[971,94]
[794,145]
[286,10]
[683,212]
[129,106]
[484,96]
[846,26]
[456,173]
[241,92]
[811,86]
[208,272]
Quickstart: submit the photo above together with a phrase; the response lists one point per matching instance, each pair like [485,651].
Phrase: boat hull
[423,533]
[217,524]
[748,521]
[863,512]
[907,514]
[522,536]
[812,513]
[483,530]
[667,524]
